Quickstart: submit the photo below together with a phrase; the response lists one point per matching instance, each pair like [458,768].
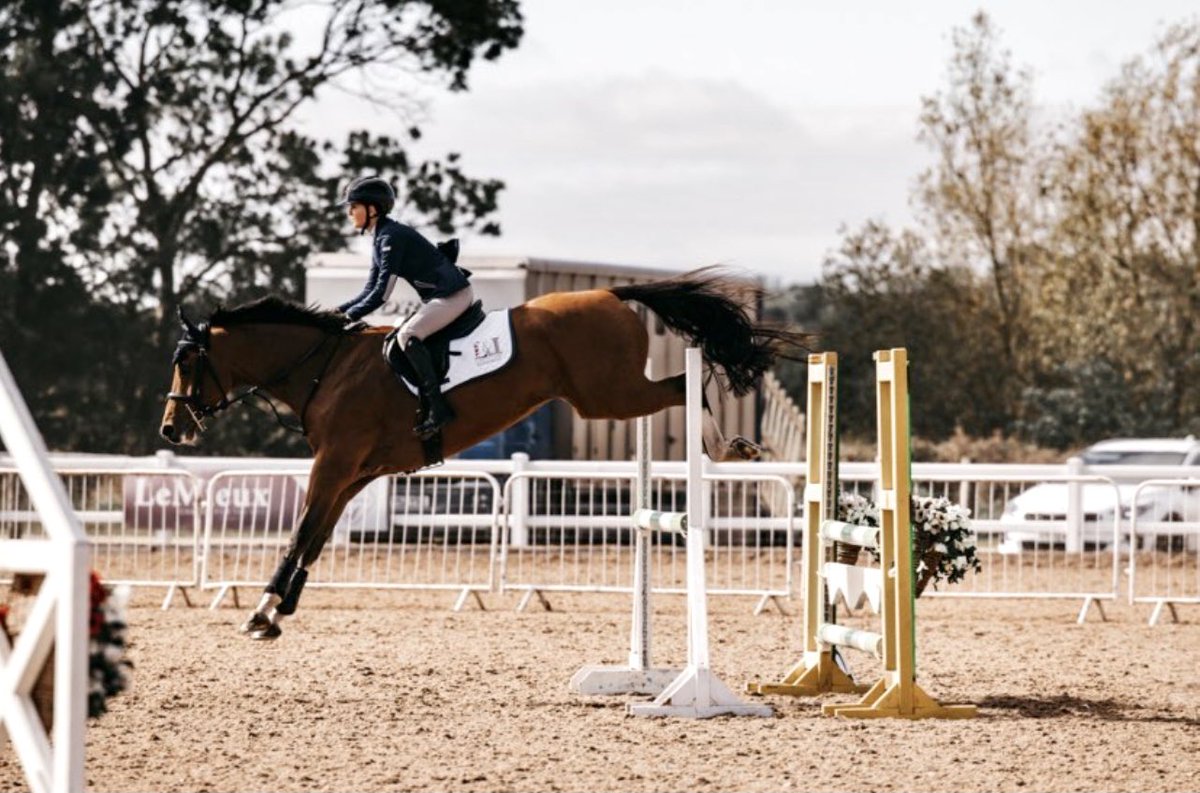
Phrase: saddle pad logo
[487,350]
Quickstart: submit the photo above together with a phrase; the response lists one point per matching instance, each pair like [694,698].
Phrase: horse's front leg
[262,623]
[323,506]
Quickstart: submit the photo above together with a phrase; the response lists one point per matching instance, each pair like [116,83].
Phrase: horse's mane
[276,311]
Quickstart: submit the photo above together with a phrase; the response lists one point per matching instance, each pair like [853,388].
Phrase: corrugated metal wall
[579,439]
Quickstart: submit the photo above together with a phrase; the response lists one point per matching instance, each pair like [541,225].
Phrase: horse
[588,348]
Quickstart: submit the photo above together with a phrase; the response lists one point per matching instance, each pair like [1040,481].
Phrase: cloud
[669,171]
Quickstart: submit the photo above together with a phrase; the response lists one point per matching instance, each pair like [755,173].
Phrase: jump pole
[696,692]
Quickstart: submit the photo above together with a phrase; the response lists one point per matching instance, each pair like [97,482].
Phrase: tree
[53,199]
[885,290]
[1125,284]
[980,198]
[151,156]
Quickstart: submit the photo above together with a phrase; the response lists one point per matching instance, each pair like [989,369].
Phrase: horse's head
[194,385]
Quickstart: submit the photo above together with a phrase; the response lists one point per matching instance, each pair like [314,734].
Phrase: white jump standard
[58,618]
[639,676]
[694,692]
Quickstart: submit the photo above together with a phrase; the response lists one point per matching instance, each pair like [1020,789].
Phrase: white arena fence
[1164,567]
[535,527]
[434,529]
[570,530]
[143,523]
[1064,552]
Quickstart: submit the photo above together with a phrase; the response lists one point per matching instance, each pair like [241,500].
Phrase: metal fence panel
[572,532]
[428,530]
[1164,566]
[144,524]
[1069,554]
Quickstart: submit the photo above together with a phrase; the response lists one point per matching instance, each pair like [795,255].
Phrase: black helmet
[370,190]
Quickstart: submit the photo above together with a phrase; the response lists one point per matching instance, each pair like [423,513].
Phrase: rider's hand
[354,326]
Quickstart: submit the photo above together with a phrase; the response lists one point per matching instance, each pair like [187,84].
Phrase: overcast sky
[685,133]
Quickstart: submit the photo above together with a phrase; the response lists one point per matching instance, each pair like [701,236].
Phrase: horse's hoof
[257,622]
[745,449]
[267,633]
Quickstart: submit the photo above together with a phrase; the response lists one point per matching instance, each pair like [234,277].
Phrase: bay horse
[587,348]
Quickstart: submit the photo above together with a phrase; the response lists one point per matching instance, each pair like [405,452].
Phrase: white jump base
[693,692]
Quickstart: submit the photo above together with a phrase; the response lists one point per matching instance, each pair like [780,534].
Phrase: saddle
[438,344]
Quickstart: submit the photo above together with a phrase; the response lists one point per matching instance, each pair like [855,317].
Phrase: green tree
[1124,286]
[151,158]
[885,290]
[979,200]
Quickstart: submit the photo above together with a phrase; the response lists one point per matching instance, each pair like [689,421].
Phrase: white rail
[568,529]
[58,618]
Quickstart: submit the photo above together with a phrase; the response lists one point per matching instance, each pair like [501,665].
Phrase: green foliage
[150,159]
[1087,401]
[882,290]
[1053,284]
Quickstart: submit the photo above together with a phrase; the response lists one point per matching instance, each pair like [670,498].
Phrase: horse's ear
[188,325]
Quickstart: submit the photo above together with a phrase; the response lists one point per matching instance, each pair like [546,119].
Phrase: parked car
[1040,514]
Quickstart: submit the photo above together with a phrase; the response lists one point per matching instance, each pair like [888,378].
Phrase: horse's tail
[711,309]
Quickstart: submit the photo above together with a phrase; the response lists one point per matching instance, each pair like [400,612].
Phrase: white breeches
[433,316]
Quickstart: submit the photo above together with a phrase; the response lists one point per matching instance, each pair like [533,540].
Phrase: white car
[1039,515]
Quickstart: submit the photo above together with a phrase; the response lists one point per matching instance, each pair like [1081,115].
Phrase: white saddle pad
[487,349]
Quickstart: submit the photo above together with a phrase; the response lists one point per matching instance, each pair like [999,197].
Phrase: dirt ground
[381,692]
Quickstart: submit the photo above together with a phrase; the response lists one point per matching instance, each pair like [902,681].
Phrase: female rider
[400,251]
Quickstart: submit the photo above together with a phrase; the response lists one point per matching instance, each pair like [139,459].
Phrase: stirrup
[426,426]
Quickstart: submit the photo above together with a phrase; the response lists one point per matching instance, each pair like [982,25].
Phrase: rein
[196,340]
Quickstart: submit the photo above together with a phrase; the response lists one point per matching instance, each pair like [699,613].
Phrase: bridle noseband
[195,339]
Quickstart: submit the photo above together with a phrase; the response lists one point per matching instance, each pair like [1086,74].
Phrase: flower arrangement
[943,540]
[108,669]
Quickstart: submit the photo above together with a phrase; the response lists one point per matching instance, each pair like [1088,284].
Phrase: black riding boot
[437,410]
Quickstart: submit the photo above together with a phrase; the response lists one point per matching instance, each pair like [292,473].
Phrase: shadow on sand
[1067,706]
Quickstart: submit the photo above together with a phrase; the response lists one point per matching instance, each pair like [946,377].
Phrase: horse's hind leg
[633,396]
[719,449]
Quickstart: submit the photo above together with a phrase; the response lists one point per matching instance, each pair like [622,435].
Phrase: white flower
[940,547]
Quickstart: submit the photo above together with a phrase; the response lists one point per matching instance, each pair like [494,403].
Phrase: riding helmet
[370,190]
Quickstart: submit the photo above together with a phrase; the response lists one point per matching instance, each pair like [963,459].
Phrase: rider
[400,251]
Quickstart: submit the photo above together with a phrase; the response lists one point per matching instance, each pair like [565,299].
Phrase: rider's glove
[354,326]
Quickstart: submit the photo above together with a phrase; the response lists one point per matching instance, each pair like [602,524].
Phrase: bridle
[195,340]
